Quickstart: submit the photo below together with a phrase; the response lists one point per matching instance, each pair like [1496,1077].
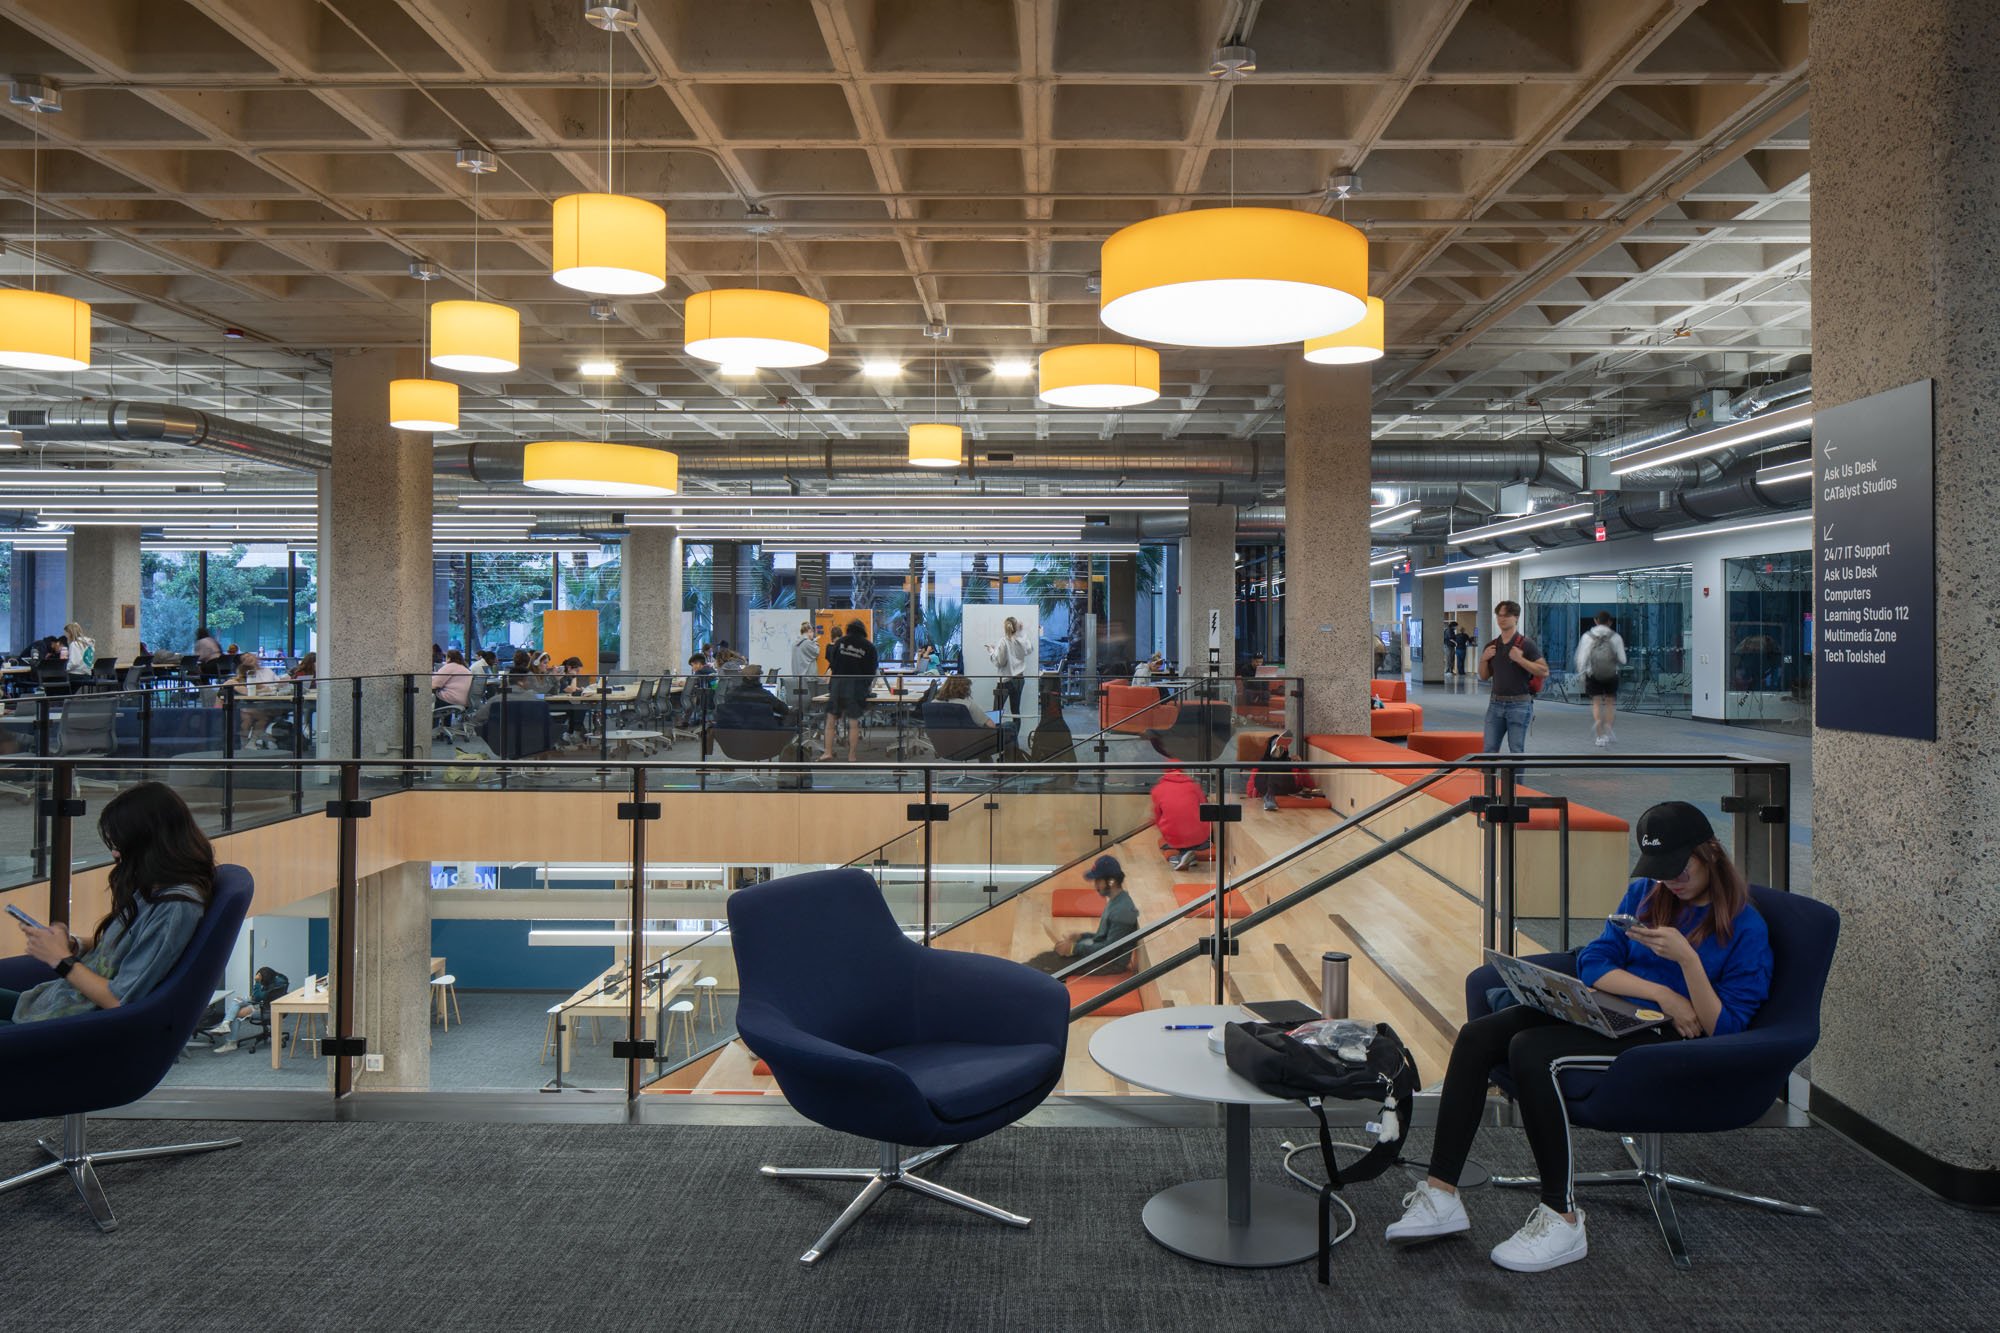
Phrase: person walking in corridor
[1513,662]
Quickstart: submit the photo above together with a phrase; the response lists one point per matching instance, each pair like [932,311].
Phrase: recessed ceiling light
[881,370]
[598,370]
[1013,370]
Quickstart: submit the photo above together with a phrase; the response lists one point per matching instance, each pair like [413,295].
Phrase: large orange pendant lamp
[1351,347]
[610,244]
[590,467]
[1100,375]
[40,330]
[936,444]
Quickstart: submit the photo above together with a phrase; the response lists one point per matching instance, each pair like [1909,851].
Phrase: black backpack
[1283,1066]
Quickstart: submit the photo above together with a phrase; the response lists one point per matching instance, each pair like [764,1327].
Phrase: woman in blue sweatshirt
[1699,954]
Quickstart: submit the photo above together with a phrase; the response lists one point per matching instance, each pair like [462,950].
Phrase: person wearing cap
[1271,783]
[1119,919]
[1700,954]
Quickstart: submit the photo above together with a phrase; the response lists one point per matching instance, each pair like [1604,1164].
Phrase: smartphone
[23,917]
[1623,920]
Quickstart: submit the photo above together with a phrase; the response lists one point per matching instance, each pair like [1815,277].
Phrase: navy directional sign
[1875,565]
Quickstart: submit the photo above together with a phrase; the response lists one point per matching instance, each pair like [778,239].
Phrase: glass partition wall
[1769,639]
[1651,608]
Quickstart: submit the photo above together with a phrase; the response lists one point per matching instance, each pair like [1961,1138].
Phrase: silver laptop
[1567,998]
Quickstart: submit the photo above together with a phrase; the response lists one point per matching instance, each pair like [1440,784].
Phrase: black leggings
[1007,692]
[1529,1042]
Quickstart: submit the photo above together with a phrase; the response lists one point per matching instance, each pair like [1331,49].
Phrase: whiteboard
[983,627]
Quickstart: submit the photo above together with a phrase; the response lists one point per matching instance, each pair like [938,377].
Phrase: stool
[704,990]
[445,987]
[680,1014]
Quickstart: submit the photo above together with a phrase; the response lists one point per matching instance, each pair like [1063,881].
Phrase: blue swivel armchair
[1695,1087]
[871,1033]
[93,1062]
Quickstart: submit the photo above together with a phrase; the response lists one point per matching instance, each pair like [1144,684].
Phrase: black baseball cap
[1668,835]
[1107,867]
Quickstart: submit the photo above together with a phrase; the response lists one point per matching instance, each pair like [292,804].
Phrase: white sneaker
[1428,1213]
[1183,861]
[1545,1241]
[225,1048]
[1270,803]
[1603,742]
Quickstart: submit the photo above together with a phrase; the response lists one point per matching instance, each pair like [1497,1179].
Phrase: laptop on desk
[1561,996]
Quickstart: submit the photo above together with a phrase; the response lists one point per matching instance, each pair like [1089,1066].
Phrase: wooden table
[300,1006]
[593,1000]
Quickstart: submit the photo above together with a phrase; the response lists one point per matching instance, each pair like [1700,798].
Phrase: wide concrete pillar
[649,601]
[393,998]
[1208,584]
[103,587]
[1328,638]
[1906,833]
[374,558]
[1427,609]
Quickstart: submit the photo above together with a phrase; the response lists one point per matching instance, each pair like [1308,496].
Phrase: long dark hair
[1728,895]
[159,848]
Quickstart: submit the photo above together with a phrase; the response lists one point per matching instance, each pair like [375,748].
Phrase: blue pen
[1188,1027]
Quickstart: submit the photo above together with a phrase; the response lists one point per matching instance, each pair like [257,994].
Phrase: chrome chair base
[1649,1173]
[73,1156]
[894,1173]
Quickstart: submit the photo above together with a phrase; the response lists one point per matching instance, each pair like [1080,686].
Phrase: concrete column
[375,557]
[393,999]
[1328,639]
[1906,834]
[1427,609]
[1208,583]
[1118,626]
[649,601]
[103,582]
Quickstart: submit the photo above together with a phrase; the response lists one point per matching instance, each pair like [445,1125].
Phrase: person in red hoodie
[1177,802]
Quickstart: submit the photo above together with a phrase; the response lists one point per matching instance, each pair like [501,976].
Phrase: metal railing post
[62,806]
[1489,864]
[146,724]
[1507,844]
[929,797]
[346,929]
[42,726]
[1220,923]
[298,742]
[1562,877]
[356,728]
[410,727]
[636,968]
[229,755]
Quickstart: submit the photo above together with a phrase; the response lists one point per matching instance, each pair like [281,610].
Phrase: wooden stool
[704,990]
[445,987]
[680,1014]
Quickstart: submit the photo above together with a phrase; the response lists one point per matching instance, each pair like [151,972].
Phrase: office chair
[1695,1087]
[870,1033]
[72,1066]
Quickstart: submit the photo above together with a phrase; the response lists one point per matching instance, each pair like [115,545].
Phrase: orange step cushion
[761,1068]
[1447,745]
[1076,902]
[1304,803]
[1234,904]
[1082,988]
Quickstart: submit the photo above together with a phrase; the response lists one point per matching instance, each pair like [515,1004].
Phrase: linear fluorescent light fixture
[1394,516]
[1730,527]
[970,548]
[1394,557]
[85,478]
[1546,518]
[943,500]
[1799,469]
[1784,420]
[1382,583]
[1466,566]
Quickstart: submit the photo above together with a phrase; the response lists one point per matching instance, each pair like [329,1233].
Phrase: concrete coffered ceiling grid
[1579,210]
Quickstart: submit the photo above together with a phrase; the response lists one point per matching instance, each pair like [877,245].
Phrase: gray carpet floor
[489,1227]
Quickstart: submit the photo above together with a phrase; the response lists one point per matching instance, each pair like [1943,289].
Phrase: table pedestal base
[1193,1220]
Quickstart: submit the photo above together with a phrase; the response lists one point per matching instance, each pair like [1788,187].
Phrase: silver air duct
[159,423]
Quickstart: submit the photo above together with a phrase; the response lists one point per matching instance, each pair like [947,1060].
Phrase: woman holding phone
[162,878]
[1696,951]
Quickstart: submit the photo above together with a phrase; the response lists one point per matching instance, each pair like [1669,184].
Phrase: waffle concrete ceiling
[1596,205]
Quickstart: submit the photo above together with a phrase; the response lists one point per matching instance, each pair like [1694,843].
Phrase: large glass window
[590,582]
[1770,640]
[305,602]
[1652,609]
[509,593]
[170,599]
[250,598]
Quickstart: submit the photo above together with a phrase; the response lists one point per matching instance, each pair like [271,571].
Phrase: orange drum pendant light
[40,330]
[1100,375]
[610,244]
[589,467]
[1350,347]
[482,337]
[936,444]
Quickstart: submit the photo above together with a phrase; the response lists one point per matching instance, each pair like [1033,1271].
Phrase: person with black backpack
[1599,655]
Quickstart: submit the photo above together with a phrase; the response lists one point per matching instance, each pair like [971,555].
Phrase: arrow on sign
[1829,449]
[1826,533]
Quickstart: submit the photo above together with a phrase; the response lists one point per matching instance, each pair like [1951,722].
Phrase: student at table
[252,680]
[1119,919]
[307,668]
[748,706]
[452,681]
[82,657]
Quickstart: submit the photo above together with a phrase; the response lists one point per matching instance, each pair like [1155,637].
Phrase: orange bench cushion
[1076,902]
[1447,745]
[1083,988]
[1234,904]
[761,1068]
[1134,708]
[1395,719]
[1459,786]
[1389,691]
[1304,803]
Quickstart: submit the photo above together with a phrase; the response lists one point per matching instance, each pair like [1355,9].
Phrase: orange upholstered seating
[1076,902]
[1453,789]
[1447,745]
[1389,691]
[761,1068]
[1395,720]
[1304,803]
[1083,988]
[1234,904]
[1134,708]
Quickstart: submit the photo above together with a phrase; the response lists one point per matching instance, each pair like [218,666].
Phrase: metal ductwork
[161,423]
[1737,496]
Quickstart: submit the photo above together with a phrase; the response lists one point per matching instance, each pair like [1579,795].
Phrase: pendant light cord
[1232,145]
[476,220]
[35,213]
[610,127]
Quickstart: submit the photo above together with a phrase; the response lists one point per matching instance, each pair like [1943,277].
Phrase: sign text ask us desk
[1875,565]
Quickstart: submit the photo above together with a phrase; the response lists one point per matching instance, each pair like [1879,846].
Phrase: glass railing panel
[24,828]
[688,985]
[262,1031]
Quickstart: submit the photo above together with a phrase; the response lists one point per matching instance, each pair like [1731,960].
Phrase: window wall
[495,599]
[261,598]
[1651,608]
[1769,635]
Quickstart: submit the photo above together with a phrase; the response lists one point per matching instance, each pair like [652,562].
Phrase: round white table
[1234,1221]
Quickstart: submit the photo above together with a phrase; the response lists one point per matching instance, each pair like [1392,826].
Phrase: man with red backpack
[1514,663]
